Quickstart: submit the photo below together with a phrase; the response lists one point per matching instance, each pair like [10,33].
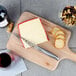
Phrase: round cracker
[59,43]
[60,36]
[60,32]
[55,29]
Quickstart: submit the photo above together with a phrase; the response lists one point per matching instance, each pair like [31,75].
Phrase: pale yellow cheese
[33,31]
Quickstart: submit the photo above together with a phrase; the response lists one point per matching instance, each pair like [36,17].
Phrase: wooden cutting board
[33,55]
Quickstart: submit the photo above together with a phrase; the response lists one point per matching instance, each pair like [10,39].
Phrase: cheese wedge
[33,31]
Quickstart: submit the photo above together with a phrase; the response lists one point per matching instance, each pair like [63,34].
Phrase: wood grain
[34,55]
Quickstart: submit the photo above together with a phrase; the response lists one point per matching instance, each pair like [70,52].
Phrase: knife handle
[47,52]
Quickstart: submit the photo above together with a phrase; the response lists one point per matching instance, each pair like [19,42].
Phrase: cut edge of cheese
[43,31]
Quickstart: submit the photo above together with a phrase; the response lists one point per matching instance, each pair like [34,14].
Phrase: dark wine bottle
[3,17]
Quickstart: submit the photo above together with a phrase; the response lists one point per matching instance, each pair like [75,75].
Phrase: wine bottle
[3,17]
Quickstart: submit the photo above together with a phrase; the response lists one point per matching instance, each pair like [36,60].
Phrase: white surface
[14,69]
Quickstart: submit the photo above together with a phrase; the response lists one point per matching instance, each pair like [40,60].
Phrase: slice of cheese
[33,31]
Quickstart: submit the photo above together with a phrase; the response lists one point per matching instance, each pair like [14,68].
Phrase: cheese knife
[37,47]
